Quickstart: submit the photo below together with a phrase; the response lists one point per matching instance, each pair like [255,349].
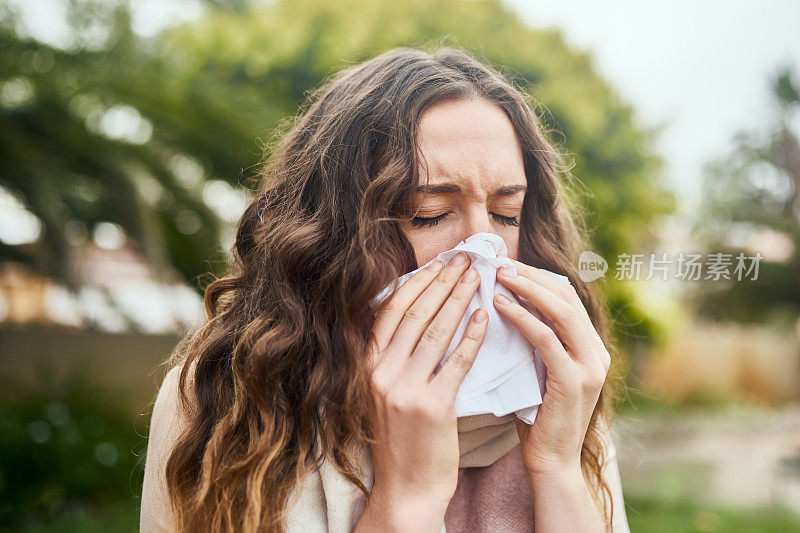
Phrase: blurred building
[122,294]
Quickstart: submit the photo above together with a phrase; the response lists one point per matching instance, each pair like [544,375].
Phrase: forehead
[470,142]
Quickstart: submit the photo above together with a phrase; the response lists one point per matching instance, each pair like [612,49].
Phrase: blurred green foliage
[666,516]
[116,517]
[203,100]
[755,188]
[60,153]
[69,452]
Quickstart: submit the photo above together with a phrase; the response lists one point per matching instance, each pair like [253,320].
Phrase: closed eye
[508,221]
[419,222]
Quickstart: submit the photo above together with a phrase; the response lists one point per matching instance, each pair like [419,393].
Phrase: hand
[576,368]
[412,411]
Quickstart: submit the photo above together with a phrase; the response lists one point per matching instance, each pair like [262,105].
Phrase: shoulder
[171,414]
[168,405]
[167,423]
[610,468]
[609,450]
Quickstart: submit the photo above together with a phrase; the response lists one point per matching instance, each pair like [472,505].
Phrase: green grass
[637,403]
[644,515]
[654,516]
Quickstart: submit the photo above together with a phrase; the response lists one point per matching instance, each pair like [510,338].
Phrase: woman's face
[474,181]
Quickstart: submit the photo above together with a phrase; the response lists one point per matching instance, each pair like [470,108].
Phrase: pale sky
[700,67]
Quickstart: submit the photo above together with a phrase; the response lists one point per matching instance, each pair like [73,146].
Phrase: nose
[477,220]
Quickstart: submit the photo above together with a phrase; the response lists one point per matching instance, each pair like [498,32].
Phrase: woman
[396,160]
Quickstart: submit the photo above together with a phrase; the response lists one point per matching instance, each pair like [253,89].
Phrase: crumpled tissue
[508,375]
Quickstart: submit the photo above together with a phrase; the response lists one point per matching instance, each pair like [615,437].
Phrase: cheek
[428,243]
[512,243]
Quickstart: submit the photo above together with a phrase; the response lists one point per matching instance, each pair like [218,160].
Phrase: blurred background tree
[149,134]
[752,195]
[154,136]
[102,130]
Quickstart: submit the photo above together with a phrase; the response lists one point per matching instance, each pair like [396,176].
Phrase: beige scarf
[330,502]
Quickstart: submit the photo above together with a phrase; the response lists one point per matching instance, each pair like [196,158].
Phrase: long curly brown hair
[287,327]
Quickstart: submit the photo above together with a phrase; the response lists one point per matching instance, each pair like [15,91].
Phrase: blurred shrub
[751,204]
[71,450]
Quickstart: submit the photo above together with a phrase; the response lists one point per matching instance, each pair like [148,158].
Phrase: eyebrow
[449,188]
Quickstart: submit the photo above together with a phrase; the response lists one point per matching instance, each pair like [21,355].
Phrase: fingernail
[436,265]
[505,271]
[469,276]
[459,259]
[480,315]
[502,299]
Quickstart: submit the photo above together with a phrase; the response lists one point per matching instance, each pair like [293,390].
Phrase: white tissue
[505,377]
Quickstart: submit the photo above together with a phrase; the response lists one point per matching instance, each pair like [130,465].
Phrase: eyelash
[419,222]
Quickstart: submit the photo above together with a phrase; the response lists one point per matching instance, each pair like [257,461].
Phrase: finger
[394,308]
[562,289]
[566,291]
[419,315]
[565,318]
[439,334]
[555,357]
[446,382]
